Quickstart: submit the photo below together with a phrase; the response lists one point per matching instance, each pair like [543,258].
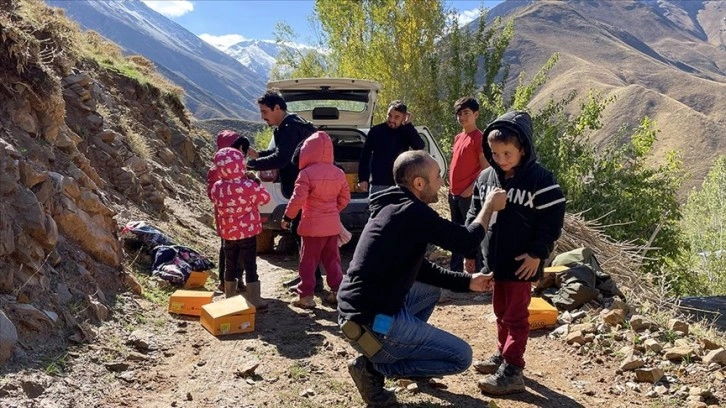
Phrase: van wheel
[265,241]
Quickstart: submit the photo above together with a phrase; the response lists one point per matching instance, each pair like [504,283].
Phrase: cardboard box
[189,302]
[541,314]
[229,316]
[349,167]
[196,280]
[352,181]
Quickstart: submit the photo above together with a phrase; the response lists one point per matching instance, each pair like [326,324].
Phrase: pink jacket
[321,190]
[236,198]
[225,138]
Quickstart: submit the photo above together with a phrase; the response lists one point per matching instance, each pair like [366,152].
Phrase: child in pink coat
[237,199]
[321,192]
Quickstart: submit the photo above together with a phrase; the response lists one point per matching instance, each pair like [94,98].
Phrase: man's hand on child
[496,199]
[470,265]
[284,225]
[528,268]
[252,153]
[481,282]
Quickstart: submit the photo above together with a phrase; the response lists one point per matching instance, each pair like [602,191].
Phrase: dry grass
[136,141]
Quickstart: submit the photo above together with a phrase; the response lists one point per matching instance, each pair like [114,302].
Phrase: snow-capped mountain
[260,55]
[216,84]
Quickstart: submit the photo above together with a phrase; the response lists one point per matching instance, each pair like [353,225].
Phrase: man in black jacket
[391,289]
[383,144]
[290,131]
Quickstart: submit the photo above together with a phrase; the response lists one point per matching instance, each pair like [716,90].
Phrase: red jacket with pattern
[236,198]
[321,190]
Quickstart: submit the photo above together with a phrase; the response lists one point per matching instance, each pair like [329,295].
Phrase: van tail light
[268,175]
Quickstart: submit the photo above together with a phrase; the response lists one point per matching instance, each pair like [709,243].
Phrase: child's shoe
[331,298]
[306,302]
[507,380]
[490,365]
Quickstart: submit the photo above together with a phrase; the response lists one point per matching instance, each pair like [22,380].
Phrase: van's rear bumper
[354,217]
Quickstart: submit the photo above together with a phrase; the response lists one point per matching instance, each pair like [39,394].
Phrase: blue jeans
[414,348]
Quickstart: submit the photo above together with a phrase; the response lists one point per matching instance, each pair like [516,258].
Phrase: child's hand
[252,153]
[284,225]
[528,268]
[481,282]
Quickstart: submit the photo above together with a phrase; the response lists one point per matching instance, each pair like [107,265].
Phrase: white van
[343,108]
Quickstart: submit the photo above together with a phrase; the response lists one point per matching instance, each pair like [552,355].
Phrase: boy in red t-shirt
[466,163]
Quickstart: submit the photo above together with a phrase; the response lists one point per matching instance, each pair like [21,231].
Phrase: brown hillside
[666,62]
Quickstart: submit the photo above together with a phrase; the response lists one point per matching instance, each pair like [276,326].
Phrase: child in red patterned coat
[237,198]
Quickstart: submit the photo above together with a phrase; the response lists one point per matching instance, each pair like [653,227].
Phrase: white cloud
[170,8]
[467,16]
[222,42]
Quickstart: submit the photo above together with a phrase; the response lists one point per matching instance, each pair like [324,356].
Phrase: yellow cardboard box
[229,316]
[541,314]
[352,180]
[196,280]
[189,302]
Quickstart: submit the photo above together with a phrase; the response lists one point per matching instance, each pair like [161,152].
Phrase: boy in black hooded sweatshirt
[519,240]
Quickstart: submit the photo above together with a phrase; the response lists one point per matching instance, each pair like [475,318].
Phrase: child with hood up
[237,199]
[225,138]
[321,192]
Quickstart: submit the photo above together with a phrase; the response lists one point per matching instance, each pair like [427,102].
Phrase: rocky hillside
[664,59]
[84,145]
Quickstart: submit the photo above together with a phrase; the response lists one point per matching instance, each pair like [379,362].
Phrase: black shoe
[292,282]
[370,383]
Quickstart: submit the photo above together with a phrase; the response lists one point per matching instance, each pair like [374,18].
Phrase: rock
[309,392]
[631,363]
[167,156]
[130,281]
[247,370]
[64,295]
[584,328]
[696,404]
[715,356]
[708,344]
[412,388]
[649,375]
[31,317]
[100,309]
[652,345]
[8,338]
[117,367]
[640,323]
[575,337]
[678,353]
[613,317]
[29,176]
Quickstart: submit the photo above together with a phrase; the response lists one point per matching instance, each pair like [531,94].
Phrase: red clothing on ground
[321,190]
[236,198]
[315,251]
[510,301]
[465,165]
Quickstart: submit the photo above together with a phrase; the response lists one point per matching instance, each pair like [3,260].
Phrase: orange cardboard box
[229,316]
[352,181]
[196,280]
[189,302]
[541,314]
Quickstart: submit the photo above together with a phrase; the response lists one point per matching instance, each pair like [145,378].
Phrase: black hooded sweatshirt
[534,215]
[390,255]
[292,131]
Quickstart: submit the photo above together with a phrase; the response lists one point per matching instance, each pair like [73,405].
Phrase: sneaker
[306,302]
[490,365]
[292,282]
[370,383]
[507,380]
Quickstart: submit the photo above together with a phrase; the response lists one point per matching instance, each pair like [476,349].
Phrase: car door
[433,149]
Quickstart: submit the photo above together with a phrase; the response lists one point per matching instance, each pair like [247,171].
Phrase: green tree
[704,225]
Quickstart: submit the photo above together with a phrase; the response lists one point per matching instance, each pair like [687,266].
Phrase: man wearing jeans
[390,289]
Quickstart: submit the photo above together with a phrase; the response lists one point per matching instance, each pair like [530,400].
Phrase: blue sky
[227,22]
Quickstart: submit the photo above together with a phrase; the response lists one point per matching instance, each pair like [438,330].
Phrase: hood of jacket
[521,123]
[317,148]
[391,195]
[230,163]
[225,138]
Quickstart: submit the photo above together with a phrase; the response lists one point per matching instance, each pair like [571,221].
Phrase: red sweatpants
[314,251]
[511,302]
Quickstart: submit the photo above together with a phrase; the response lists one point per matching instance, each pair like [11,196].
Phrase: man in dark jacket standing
[383,144]
[390,289]
[290,131]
